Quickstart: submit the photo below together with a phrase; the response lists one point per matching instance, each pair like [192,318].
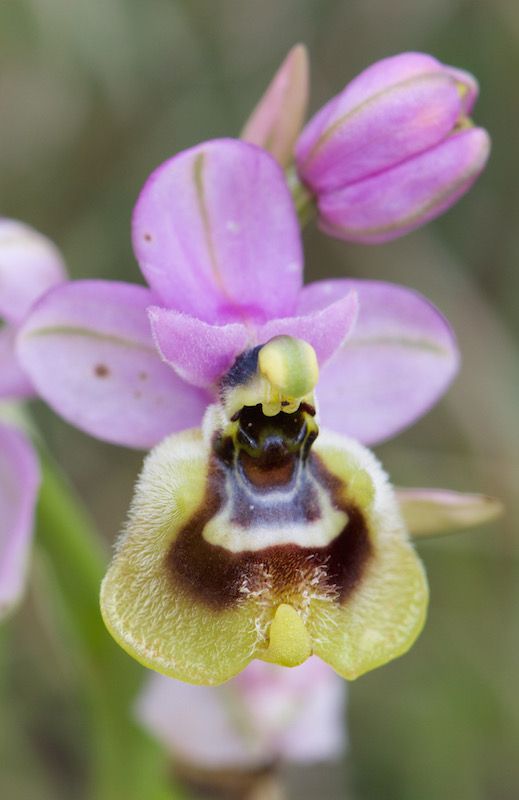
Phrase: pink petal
[29,265]
[401,199]
[398,107]
[265,714]
[397,363]
[198,352]
[278,117]
[88,349]
[13,381]
[470,86]
[326,328]
[300,710]
[216,234]
[193,723]
[370,82]
[19,481]
[201,353]
[430,512]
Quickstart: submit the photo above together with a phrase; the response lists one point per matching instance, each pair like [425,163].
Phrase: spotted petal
[88,349]
[19,480]
[398,361]
[216,234]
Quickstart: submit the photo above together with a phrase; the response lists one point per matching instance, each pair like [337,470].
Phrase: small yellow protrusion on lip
[289,642]
[289,365]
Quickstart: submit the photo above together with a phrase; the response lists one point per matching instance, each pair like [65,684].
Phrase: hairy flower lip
[234,595]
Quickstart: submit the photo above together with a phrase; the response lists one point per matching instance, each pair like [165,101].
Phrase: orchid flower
[260,534]
[264,715]
[29,265]
[218,241]
[393,150]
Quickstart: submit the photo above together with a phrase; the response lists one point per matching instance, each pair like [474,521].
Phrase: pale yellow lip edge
[149,661]
[287,651]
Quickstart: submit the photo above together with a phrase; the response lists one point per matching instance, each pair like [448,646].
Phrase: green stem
[127,764]
[303,199]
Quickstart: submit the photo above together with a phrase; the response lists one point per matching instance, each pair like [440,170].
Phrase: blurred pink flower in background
[29,265]
[390,152]
[264,715]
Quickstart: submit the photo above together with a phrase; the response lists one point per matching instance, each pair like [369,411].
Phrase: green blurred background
[93,95]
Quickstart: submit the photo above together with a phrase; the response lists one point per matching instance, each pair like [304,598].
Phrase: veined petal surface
[396,108]
[398,200]
[399,360]
[19,481]
[88,349]
[216,234]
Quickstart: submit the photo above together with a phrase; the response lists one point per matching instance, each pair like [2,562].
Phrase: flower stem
[303,199]
[126,763]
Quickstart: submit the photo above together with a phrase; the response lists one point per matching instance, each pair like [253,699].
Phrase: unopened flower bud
[278,118]
[393,150]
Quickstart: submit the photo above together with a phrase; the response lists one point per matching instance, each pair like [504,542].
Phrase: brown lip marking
[101,370]
[277,474]
[220,579]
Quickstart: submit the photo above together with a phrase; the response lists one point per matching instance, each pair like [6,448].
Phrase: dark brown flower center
[274,521]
